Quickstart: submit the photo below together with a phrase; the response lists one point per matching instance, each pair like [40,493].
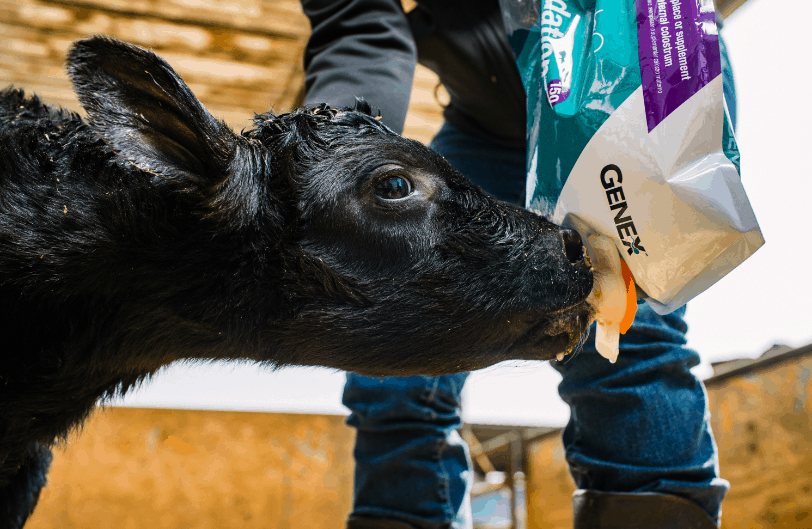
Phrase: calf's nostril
[573,245]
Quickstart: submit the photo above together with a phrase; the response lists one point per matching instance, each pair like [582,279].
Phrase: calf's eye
[393,188]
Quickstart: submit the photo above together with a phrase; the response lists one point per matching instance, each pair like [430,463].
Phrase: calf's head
[323,238]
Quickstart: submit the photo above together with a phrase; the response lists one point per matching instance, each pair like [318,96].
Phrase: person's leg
[641,425]
[639,439]
[412,469]
[411,466]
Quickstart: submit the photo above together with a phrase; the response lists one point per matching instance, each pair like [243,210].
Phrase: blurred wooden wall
[762,420]
[239,57]
[137,468]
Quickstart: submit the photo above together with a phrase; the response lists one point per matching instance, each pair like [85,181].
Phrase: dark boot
[593,509]
[355,522]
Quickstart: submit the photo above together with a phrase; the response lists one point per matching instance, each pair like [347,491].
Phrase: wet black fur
[153,233]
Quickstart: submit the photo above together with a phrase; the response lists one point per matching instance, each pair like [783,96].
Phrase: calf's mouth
[555,335]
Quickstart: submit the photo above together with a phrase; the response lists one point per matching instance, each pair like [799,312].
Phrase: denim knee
[642,424]
[411,464]
[380,403]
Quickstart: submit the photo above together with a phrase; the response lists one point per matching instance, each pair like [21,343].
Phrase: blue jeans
[640,425]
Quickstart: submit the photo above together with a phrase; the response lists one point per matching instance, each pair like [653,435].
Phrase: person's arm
[360,48]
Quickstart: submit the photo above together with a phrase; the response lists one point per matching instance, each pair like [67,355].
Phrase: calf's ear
[145,111]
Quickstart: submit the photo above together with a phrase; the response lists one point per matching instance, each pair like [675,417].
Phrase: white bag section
[679,205]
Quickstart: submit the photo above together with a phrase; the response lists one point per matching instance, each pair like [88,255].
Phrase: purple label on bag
[679,53]
[556,92]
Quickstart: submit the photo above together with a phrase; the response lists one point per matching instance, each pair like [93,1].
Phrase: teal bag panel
[607,72]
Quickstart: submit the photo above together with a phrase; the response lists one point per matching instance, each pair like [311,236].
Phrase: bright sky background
[762,302]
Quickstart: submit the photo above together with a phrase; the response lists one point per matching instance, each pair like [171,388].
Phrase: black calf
[153,233]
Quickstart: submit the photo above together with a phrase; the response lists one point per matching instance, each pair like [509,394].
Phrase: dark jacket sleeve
[360,48]
[465,44]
